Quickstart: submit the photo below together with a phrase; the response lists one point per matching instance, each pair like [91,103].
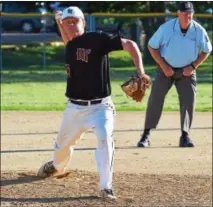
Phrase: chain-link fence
[31,42]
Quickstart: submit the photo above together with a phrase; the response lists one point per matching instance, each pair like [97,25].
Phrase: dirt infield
[162,175]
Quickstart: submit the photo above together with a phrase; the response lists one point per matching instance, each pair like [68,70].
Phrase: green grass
[44,90]
[25,86]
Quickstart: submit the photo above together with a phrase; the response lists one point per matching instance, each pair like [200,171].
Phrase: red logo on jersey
[82,54]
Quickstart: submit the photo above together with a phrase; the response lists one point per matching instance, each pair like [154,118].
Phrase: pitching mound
[80,188]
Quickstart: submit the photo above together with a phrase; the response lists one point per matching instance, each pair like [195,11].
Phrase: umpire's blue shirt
[180,50]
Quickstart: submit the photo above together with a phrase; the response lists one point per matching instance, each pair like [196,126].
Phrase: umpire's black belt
[85,103]
[175,69]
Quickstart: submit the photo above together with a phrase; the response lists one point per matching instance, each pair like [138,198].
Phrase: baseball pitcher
[88,91]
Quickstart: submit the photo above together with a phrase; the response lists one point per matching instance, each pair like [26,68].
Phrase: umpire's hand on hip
[188,71]
[167,70]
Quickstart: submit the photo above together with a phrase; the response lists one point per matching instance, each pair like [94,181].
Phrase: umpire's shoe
[47,170]
[144,142]
[185,141]
[108,194]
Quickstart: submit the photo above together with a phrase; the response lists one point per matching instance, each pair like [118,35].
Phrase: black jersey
[87,57]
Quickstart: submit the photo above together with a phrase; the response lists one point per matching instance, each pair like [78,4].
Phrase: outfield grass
[25,86]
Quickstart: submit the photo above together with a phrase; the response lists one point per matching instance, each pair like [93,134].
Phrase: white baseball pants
[78,119]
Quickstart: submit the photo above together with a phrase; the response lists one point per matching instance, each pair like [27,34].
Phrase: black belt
[174,68]
[177,68]
[85,103]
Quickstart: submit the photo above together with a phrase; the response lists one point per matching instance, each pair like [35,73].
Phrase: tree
[150,25]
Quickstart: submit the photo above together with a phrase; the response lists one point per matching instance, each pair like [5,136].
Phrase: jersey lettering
[82,54]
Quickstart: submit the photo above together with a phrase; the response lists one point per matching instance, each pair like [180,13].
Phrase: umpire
[179,47]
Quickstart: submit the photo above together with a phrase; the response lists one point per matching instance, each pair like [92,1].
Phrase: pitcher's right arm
[64,35]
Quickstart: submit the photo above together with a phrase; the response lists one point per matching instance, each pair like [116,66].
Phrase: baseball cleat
[48,169]
[108,194]
[144,142]
[185,142]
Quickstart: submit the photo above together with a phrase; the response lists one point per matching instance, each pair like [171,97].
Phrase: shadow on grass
[23,57]
[32,76]
[60,76]
[26,65]
[26,57]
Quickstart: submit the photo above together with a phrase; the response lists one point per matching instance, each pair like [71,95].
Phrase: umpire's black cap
[186,7]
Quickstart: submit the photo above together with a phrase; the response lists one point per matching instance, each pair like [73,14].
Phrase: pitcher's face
[74,26]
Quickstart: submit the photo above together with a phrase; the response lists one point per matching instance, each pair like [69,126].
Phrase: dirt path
[184,174]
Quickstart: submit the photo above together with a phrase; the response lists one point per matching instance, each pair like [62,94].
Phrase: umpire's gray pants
[186,89]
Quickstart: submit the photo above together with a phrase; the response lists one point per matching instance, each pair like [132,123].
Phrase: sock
[184,134]
[146,132]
